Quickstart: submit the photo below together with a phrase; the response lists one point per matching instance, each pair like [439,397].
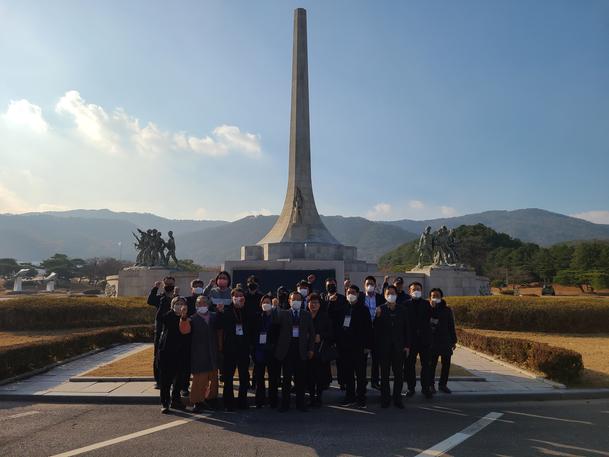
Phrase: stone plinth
[453,280]
[137,281]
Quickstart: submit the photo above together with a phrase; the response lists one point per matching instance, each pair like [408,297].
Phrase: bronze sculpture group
[153,250]
[437,248]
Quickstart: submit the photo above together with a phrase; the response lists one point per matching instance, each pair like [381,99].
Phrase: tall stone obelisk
[299,221]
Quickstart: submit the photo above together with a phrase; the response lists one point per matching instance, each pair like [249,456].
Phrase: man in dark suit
[335,305]
[392,344]
[162,303]
[295,345]
[372,300]
[353,340]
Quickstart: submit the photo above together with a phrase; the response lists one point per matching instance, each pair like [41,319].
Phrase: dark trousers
[392,361]
[374,367]
[443,371]
[186,371]
[293,367]
[354,365]
[171,369]
[319,376]
[158,328]
[270,367]
[241,363]
[410,374]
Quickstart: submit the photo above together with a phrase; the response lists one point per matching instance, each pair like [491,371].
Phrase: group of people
[292,338]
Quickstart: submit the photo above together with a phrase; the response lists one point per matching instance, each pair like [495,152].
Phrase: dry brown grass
[594,349]
[8,339]
[140,364]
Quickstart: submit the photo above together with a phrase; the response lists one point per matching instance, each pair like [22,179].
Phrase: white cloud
[598,217]
[448,211]
[22,113]
[379,210]
[416,204]
[121,133]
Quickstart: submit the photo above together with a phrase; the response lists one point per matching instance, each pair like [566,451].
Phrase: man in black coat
[252,310]
[419,315]
[162,303]
[372,300]
[353,340]
[235,347]
[196,288]
[295,345]
[444,338]
[398,282]
[392,343]
[335,305]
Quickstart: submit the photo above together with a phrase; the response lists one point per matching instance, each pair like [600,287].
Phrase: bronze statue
[437,248]
[425,248]
[151,248]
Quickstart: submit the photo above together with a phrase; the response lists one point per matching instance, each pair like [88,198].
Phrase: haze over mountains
[97,233]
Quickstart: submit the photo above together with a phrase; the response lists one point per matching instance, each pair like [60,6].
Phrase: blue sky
[419,109]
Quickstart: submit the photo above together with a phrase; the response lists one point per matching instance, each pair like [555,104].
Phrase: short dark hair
[398,280]
[237,290]
[295,293]
[251,279]
[331,280]
[314,297]
[370,278]
[354,287]
[437,289]
[169,278]
[196,281]
[303,282]
[391,286]
[225,273]
[415,283]
[264,297]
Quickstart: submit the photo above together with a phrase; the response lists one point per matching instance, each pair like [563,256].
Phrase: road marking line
[148,431]
[574,421]
[353,410]
[15,416]
[452,441]
[442,411]
[567,446]
[448,409]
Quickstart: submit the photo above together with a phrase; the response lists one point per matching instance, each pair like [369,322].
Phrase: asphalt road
[557,428]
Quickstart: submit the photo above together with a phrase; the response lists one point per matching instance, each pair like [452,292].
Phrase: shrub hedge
[559,364]
[25,357]
[532,314]
[50,313]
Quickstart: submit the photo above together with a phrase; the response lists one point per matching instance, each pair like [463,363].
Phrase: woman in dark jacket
[265,341]
[444,338]
[173,356]
[201,326]
[319,375]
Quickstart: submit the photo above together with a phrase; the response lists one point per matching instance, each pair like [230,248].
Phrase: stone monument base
[453,280]
[137,281]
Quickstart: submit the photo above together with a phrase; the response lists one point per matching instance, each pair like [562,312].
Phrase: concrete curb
[575,394]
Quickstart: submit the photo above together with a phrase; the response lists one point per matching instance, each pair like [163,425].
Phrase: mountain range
[97,233]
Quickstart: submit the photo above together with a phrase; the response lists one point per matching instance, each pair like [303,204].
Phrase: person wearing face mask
[172,355]
[419,315]
[236,349]
[335,305]
[319,375]
[162,302]
[201,326]
[398,283]
[392,342]
[353,339]
[196,288]
[304,289]
[265,340]
[372,300]
[252,310]
[218,290]
[295,345]
[282,298]
[444,338]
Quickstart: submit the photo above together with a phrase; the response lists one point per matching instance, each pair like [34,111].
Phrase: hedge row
[51,313]
[532,314]
[559,364]
[25,357]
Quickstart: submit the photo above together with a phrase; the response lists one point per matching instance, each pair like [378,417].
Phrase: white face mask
[416,294]
[370,288]
[296,305]
[304,292]
[197,290]
[202,309]
[437,301]
[352,298]
[391,298]
[266,307]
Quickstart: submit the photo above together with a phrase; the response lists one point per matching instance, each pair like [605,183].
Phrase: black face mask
[169,288]
[252,286]
[331,288]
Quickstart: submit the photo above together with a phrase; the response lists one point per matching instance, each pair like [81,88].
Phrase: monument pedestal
[137,281]
[452,280]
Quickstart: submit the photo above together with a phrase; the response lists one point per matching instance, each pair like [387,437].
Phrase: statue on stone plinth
[151,248]
[425,248]
[437,248]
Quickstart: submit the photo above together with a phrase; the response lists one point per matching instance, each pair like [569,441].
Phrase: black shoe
[445,389]
[410,393]
[398,404]
[361,403]
[348,401]
[165,410]
[433,389]
[199,408]
[157,387]
[428,394]
[177,404]
[375,385]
